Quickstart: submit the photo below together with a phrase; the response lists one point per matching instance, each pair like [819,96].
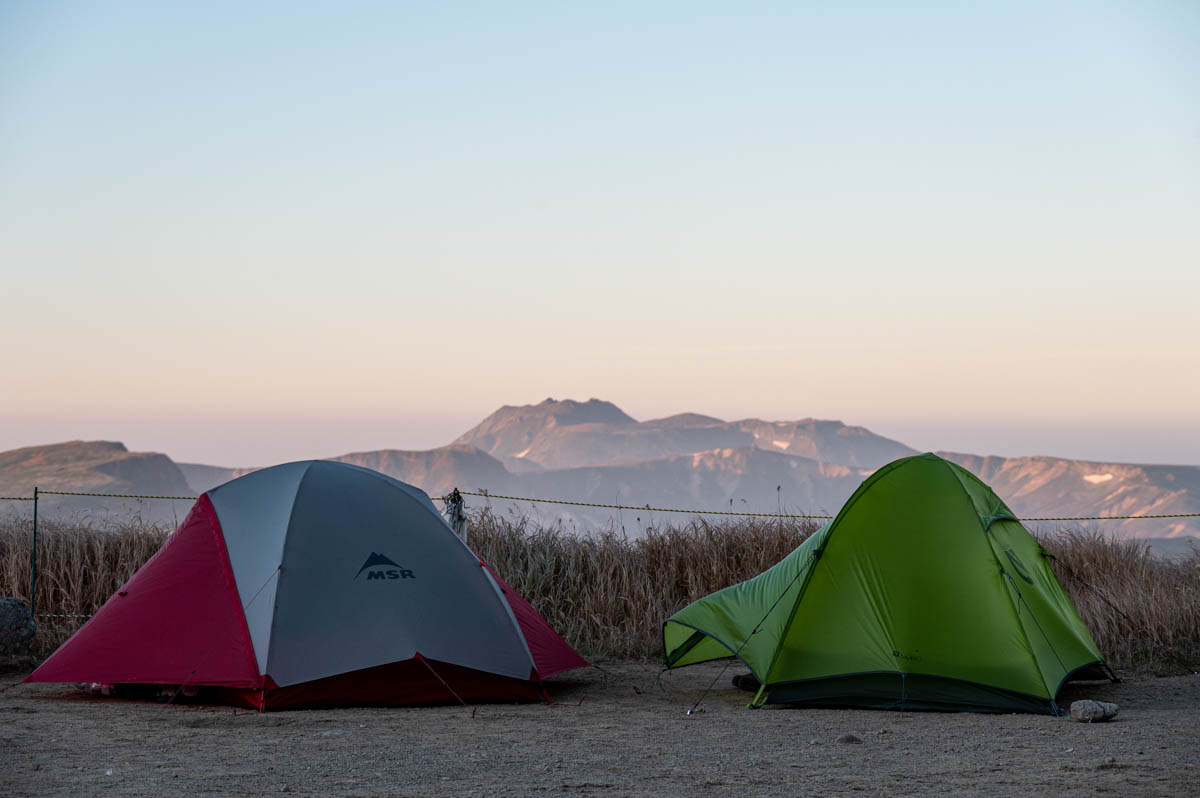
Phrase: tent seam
[287,533]
[512,616]
[862,489]
[719,640]
[231,583]
[986,530]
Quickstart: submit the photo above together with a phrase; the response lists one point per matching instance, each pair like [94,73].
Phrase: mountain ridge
[531,438]
[594,452]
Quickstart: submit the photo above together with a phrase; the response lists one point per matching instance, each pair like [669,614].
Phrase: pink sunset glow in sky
[245,235]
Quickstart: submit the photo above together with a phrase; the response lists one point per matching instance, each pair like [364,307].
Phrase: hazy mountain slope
[1052,486]
[206,477]
[434,471]
[93,467]
[827,441]
[683,420]
[599,444]
[437,471]
[740,479]
[105,467]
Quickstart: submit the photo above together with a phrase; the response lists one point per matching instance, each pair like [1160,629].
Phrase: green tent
[924,592]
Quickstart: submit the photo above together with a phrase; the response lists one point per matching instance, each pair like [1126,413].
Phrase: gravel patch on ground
[615,732]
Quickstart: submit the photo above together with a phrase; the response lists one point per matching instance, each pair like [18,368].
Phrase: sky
[243,233]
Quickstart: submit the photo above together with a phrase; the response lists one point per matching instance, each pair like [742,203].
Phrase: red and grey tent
[317,584]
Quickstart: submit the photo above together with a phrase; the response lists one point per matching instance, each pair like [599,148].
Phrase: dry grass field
[608,593]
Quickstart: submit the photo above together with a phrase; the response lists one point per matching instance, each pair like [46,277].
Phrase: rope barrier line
[646,507]
[114,495]
[1109,517]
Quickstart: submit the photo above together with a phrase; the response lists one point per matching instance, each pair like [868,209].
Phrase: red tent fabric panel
[177,621]
[407,683]
[550,652]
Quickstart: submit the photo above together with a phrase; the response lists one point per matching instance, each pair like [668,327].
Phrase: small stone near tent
[924,592]
[1093,711]
[316,584]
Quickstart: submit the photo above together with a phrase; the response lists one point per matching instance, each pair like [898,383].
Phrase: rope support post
[455,514]
[33,559]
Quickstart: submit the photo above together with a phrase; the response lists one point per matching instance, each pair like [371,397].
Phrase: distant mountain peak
[512,431]
[567,412]
[684,420]
[565,433]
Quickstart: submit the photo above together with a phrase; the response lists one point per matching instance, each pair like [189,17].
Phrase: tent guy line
[738,654]
[485,494]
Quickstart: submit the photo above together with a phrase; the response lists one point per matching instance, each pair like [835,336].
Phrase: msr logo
[379,566]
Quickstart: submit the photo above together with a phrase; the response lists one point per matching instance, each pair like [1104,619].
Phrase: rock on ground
[16,628]
[1093,711]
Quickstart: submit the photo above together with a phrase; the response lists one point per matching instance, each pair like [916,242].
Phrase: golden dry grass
[80,565]
[1142,610]
[608,593]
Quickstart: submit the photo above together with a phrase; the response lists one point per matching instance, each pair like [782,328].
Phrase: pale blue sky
[250,232]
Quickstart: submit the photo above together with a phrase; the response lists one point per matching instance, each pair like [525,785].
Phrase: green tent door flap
[924,592]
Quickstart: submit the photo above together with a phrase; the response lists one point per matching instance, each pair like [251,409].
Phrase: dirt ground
[613,733]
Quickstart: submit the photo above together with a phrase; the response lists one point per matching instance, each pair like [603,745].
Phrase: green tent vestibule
[924,592]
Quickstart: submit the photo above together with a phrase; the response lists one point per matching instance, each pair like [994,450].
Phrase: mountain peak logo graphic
[379,566]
